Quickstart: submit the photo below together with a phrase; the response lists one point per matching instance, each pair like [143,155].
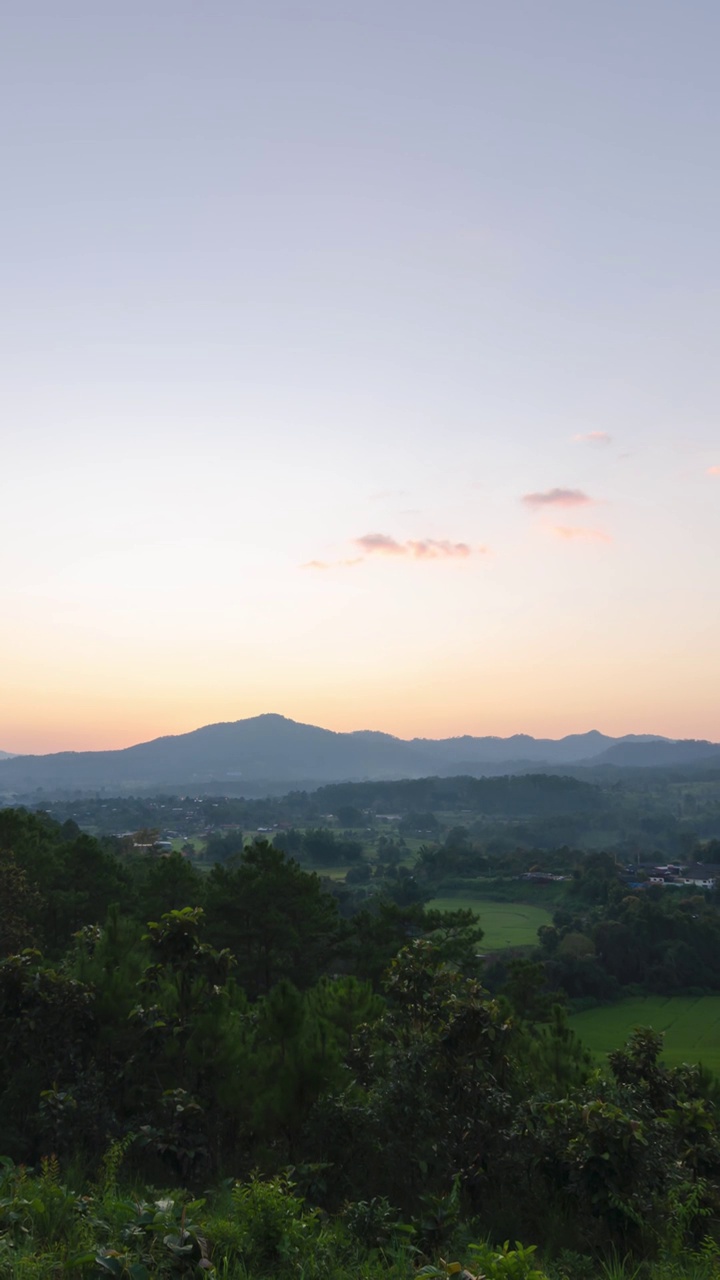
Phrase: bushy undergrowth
[262,1229]
[248,1231]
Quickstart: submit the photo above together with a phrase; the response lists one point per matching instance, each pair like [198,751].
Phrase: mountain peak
[271,752]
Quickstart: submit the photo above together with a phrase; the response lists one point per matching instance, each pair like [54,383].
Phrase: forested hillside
[362,1092]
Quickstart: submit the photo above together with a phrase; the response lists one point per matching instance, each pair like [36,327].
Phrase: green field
[506,924]
[691,1025]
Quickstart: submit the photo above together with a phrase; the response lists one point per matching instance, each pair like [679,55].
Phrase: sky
[359,364]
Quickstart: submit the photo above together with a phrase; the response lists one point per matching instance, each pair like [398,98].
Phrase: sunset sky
[360,363]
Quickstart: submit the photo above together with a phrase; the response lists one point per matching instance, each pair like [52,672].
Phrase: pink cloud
[428,549]
[593,437]
[380,543]
[557,498]
[383,544]
[713,471]
[569,532]
[418,549]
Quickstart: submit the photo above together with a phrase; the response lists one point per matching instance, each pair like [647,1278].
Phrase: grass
[506,924]
[691,1025]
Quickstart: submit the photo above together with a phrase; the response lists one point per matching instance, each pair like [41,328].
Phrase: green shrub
[374,1223]
[490,1263]
[269,1227]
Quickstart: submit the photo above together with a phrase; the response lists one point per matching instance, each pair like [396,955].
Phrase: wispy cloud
[571,532]
[372,545]
[713,471]
[332,564]
[557,498]
[593,437]
[383,544]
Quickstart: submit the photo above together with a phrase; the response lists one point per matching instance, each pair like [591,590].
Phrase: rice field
[691,1026]
[506,924]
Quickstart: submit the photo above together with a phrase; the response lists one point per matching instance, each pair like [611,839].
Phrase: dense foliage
[366,1097]
[633,813]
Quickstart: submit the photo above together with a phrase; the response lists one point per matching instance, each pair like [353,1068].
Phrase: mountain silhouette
[273,752]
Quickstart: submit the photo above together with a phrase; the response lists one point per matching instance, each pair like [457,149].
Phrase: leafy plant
[375,1223]
[159,1239]
[569,1265]
[617,1268]
[490,1263]
[439,1217]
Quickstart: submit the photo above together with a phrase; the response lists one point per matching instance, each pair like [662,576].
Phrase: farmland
[691,1026]
[506,924]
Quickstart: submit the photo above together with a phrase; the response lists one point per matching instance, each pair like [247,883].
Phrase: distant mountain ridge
[271,751]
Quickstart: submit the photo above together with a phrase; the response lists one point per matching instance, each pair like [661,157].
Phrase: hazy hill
[265,748]
[658,754]
[521,748]
[273,753]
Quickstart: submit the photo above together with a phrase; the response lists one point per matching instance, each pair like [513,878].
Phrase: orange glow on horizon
[46,735]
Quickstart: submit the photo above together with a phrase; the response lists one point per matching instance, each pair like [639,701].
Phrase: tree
[296,1057]
[377,933]
[439,1078]
[526,989]
[20,908]
[82,883]
[169,884]
[79,879]
[419,824]
[276,919]
[323,848]
[348,815]
[47,1030]
[187,1019]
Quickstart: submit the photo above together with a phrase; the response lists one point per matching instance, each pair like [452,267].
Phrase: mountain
[576,748]
[659,754]
[268,749]
[270,753]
